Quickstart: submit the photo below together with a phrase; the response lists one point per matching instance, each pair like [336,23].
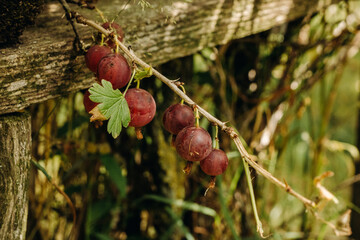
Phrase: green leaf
[101,236]
[180,203]
[96,211]
[115,174]
[225,210]
[112,105]
[179,223]
[140,74]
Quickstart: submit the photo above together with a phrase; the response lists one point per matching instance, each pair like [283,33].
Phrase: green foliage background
[291,93]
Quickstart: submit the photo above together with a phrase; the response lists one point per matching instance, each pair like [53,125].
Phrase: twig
[229,130]
[70,19]
[82,3]
[259,227]
[118,14]
[348,182]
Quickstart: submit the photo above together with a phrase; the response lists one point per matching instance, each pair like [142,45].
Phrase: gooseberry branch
[222,125]
[174,87]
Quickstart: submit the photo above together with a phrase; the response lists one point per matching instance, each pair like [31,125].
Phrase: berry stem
[116,43]
[216,137]
[183,89]
[197,117]
[138,83]
[102,39]
[131,79]
[101,14]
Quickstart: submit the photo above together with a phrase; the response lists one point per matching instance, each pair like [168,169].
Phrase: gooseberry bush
[135,107]
[192,143]
[113,98]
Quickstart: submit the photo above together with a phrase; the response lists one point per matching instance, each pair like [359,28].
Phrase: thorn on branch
[112,35]
[287,187]
[230,131]
[178,83]
[79,19]
[193,106]
[214,124]
[324,193]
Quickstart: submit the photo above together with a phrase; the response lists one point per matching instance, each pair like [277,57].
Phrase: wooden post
[15,157]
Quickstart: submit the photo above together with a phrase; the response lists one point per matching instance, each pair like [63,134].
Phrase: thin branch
[348,182]
[229,130]
[66,7]
[253,202]
[82,3]
[123,8]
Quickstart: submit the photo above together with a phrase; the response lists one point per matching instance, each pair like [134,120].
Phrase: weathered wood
[44,66]
[15,156]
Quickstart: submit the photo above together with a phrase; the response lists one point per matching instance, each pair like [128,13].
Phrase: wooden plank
[15,157]
[45,66]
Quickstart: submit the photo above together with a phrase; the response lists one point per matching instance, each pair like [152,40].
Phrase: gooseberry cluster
[107,64]
[192,142]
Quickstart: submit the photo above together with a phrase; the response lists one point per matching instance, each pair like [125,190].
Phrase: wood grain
[45,66]
[15,157]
